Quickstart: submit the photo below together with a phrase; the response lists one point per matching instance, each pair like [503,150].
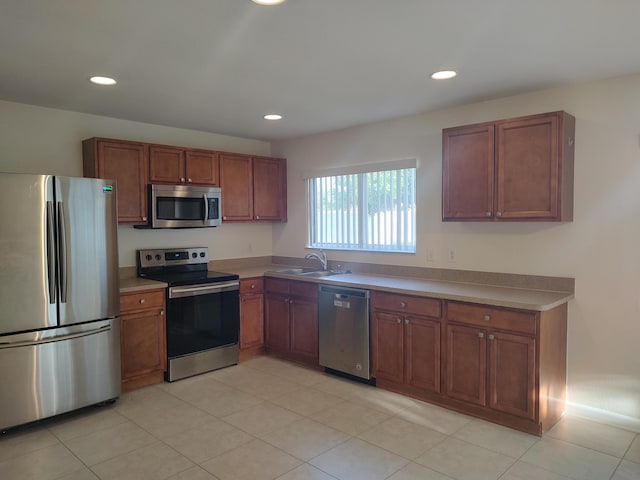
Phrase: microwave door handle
[206,208]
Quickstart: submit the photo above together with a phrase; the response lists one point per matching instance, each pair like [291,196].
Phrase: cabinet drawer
[407,304]
[489,317]
[141,300]
[304,289]
[251,285]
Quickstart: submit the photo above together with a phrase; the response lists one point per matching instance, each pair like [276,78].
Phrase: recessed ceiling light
[267,2]
[444,75]
[102,80]
[273,116]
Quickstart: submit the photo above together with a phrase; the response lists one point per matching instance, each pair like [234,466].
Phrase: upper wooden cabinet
[515,169]
[125,162]
[253,188]
[174,165]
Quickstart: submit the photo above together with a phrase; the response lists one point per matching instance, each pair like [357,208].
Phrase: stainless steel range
[203,310]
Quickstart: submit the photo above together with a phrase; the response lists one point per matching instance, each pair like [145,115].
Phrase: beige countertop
[521,298]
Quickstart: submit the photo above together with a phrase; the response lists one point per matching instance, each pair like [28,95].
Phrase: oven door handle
[178,292]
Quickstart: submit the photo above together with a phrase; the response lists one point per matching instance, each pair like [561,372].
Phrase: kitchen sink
[295,271]
[308,272]
[322,273]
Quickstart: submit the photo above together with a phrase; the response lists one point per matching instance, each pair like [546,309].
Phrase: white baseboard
[603,416]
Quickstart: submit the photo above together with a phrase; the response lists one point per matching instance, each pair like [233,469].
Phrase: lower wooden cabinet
[142,338]
[251,316]
[504,365]
[291,319]
[406,346]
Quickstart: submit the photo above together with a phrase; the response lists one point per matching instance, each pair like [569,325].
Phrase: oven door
[183,206]
[202,317]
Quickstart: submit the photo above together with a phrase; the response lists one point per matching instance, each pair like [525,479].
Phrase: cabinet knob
[253,285]
[141,301]
[182,179]
[491,337]
[189,180]
[498,214]
[257,217]
[144,219]
[398,320]
[224,217]
[486,318]
[570,142]
[406,321]
[403,304]
[487,214]
[161,313]
[480,334]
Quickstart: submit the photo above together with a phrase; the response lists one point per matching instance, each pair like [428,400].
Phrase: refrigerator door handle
[58,338]
[51,254]
[62,253]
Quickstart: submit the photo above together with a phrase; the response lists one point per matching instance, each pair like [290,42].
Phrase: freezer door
[86,220]
[27,273]
[58,370]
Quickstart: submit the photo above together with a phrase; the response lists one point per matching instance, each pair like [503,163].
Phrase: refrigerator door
[54,371]
[86,220]
[27,271]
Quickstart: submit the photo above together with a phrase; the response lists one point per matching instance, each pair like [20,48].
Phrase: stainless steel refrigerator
[59,299]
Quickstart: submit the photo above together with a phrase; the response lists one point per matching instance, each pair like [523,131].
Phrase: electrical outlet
[430,255]
[451,255]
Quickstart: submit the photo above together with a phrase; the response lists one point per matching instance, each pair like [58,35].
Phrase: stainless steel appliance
[343,318]
[203,310]
[59,304]
[184,206]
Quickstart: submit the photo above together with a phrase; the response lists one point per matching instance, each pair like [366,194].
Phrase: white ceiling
[220,65]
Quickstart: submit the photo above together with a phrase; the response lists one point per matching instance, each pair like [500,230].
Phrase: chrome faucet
[321,257]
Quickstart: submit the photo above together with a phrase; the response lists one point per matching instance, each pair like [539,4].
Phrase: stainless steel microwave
[184,206]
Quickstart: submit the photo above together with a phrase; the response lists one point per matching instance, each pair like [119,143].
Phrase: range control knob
[158,257]
[148,258]
[194,255]
[202,254]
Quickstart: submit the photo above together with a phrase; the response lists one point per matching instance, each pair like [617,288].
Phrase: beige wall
[44,140]
[600,248]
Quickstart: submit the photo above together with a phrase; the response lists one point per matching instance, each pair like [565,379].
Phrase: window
[373,211]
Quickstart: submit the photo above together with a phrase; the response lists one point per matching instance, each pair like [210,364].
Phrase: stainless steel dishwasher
[343,317]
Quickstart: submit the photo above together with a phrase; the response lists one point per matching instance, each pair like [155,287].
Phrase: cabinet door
[251,321]
[466,367]
[528,168]
[236,180]
[512,387]
[304,329]
[126,163]
[388,347]
[143,344]
[467,172]
[269,189]
[202,168]
[422,346]
[277,323]
[166,165]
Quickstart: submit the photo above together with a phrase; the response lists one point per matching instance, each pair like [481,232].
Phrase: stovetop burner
[179,266]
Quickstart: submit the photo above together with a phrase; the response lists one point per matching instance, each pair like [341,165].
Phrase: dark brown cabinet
[291,319]
[175,165]
[251,314]
[515,169]
[253,188]
[510,365]
[406,341]
[127,164]
[142,338]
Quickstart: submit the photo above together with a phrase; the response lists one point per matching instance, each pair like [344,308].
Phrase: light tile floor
[270,419]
